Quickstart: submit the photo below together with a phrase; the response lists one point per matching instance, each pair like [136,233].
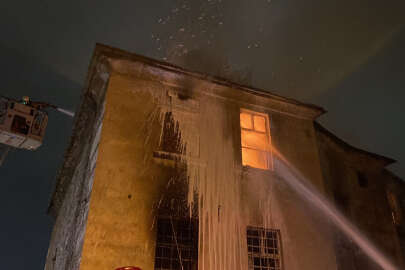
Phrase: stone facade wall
[70,201]
[129,183]
[357,183]
[396,186]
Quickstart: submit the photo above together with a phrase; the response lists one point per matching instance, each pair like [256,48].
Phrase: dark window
[362,179]
[177,244]
[264,250]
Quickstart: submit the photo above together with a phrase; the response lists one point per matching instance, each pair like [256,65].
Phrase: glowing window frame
[268,135]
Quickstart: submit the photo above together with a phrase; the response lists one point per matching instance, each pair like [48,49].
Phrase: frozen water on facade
[217,183]
[217,180]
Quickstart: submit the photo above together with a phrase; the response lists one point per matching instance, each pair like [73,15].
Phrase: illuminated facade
[170,169]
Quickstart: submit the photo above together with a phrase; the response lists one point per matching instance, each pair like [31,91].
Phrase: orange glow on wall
[395,209]
[255,140]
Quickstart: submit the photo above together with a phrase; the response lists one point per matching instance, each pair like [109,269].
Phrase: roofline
[115,53]
[394,176]
[386,160]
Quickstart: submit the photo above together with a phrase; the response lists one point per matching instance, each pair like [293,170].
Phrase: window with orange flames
[255,140]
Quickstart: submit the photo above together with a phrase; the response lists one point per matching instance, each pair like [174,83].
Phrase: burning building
[172,169]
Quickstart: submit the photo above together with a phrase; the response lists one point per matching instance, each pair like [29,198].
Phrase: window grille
[264,249]
[177,244]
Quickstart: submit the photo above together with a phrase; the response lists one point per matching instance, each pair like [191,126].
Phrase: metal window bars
[264,249]
[177,244]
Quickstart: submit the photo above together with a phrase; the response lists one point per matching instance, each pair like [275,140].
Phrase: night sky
[347,56]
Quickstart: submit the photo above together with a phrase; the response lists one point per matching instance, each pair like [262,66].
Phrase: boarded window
[177,244]
[255,140]
[264,249]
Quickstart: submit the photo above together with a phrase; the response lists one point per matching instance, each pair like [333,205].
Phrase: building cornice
[131,64]
[353,155]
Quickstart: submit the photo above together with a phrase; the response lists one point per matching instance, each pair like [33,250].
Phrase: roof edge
[112,52]
[386,160]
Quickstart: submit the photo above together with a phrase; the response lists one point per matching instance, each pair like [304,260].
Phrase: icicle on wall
[217,182]
[216,177]
[228,199]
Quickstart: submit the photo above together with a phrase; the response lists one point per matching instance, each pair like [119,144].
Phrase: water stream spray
[302,187]
[69,113]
